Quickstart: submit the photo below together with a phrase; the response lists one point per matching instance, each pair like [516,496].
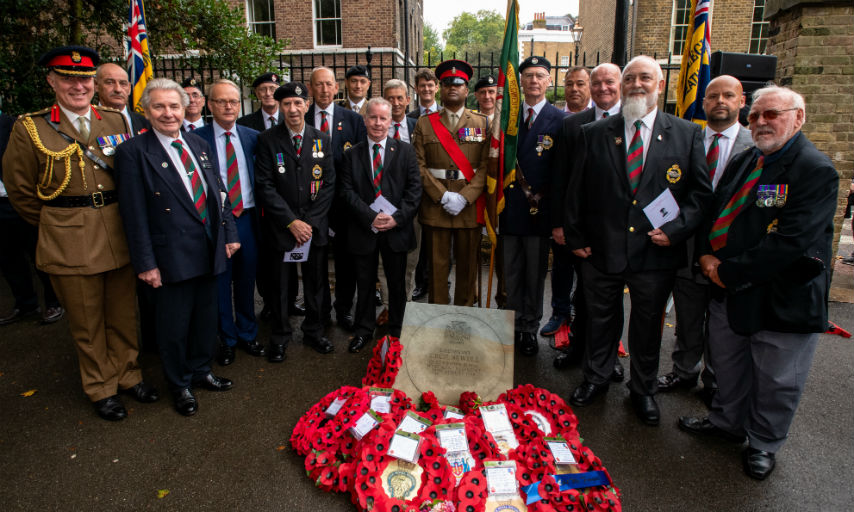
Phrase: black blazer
[139,124]
[776,263]
[570,132]
[601,212]
[255,120]
[284,191]
[163,227]
[400,184]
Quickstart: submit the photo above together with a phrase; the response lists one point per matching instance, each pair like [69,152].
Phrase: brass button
[631,229]
[95,167]
[635,201]
[100,187]
[511,185]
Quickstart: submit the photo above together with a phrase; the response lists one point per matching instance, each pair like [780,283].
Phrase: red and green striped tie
[397,131]
[378,170]
[324,123]
[718,235]
[712,156]
[298,144]
[635,159]
[233,176]
[199,198]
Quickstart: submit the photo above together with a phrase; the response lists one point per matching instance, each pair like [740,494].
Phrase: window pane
[328,32]
[261,10]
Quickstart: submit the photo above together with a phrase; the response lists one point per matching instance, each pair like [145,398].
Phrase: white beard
[635,107]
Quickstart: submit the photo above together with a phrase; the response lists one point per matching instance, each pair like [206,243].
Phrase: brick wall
[596,18]
[815,51]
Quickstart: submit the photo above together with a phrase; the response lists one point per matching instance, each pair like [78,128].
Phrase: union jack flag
[140,70]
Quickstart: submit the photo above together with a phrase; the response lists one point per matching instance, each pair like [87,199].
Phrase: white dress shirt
[647,123]
[611,111]
[403,132]
[537,108]
[246,192]
[428,110]
[725,143]
[175,157]
[382,144]
[356,107]
[330,113]
[267,123]
[198,123]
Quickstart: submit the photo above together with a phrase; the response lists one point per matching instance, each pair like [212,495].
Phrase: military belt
[93,200]
[448,174]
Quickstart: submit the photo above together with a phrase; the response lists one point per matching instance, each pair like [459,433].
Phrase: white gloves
[453,202]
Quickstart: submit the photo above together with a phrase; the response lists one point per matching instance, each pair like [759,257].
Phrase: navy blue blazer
[248,139]
[162,225]
[538,168]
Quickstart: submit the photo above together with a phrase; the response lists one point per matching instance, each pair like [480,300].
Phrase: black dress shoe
[185,402]
[213,383]
[704,427]
[297,309]
[345,321]
[142,392]
[52,314]
[253,348]
[586,393]
[321,345]
[419,293]
[357,343]
[646,408]
[619,373]
[16,315]
[758,464]
[276,354]
[528,345]
[111,408]
[225,356]
[671,381]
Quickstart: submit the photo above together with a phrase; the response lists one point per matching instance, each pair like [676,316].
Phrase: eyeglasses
[768,115]
[223,103]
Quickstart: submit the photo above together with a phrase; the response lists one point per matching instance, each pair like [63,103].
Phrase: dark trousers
[648,291]
[314,273]
[691,301]
[236,286]
[563,268]
[394,265]
[185,322]
[525,260]
[18,251]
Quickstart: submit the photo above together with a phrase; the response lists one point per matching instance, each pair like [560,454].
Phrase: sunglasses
[768,115]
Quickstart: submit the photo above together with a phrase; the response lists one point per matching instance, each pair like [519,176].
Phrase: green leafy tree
[211,28]
[472,33]
[432,45]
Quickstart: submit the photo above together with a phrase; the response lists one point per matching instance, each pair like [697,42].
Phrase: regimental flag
[501,170]
[140,70]
[695,72]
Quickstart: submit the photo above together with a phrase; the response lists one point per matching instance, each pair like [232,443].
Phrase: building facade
[553,37]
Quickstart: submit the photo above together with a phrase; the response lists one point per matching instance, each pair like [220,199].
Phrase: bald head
[605,85]
[112,85]
[724,98]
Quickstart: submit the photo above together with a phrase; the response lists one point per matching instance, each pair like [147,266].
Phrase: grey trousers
[760,379]
[525,265]
[691,301]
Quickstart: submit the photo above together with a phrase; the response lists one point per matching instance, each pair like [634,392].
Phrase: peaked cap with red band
[71,60]
[454,72]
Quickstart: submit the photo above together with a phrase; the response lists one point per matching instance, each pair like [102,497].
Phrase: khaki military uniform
[441,229]
[345,103]
[82,248]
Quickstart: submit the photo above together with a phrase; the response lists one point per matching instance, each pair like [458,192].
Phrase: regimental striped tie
[199,198]
[712,156]
[233,176]
[324,123]
[530,121]
[605,114]
[191,126]
[397,131]
[720,228]
[634,165]
[378,170]
[298,144]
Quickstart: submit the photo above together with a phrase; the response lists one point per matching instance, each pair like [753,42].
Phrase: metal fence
[382,66]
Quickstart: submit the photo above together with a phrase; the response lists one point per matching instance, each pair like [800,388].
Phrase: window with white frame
[679,25]
[327,23]
[260,17]
[564,60]
[758,28]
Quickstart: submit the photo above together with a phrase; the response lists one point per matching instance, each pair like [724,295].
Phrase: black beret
[267,77]
[71,60]
[357,70]
[454,72]
[535,62]
[485,81]
[291,90]
[193,82]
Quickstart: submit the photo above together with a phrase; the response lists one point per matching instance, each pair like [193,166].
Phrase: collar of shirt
[382,144]
[166,140]
[537,108]
[301,133]
[647,123]
[614,110]
[458,113]
[427,110]
[729,134]
[404,129]
[198,123]
[590,105]
[330,113]
[219,131]
[72,117]
[356,106]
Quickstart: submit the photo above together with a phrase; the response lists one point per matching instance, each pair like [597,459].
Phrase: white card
[561,452]
[383,205]
[453,413]
[298,254]
[384,351]
[453,439]
[501,479]
[404,447]
[495,418]
[335,406]
[412,425]
[662,209]
[363,425]
[381,404]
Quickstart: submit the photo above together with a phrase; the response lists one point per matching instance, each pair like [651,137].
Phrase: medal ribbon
[199,198]
[233,176]
[718,235]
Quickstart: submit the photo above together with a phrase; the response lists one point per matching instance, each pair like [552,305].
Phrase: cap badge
[298,90]
[274,78]
[534,60]
[75,57]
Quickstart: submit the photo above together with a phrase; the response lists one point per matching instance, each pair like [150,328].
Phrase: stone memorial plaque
[452,349]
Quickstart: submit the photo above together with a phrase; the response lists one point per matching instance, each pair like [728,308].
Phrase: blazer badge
[674,173]
[347,145]
[317,172]
[618,141]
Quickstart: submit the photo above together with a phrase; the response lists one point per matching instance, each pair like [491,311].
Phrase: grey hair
[793,98]
[163,84]
[395,83]
[226,81]
[650,60]
[377,101]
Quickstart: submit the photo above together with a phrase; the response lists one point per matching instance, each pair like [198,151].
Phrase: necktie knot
[227,136]
[177,144]
[638,125]
[192,127]
[605,114]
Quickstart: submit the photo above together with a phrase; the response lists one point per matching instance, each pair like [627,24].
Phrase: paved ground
[55,454]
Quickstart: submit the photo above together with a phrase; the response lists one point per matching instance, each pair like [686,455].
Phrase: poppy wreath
[546,409]
[430,407]
[482,446]
[472,493]
[315,418]
[382,373]
[437,480]
[338,426]
[523,426]
[470,401]
[534,461]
